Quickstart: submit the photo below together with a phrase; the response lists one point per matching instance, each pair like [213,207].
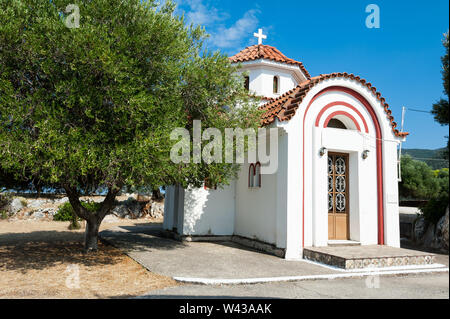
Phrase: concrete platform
[215,260]
[230,263]
[358,257]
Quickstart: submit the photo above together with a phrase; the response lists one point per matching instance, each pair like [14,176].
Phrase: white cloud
[241,30]
[204,13]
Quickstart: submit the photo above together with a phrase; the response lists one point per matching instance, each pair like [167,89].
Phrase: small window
[276,84]
[335,123]
[251,174]
[254,175]
[257,177]
[247,83]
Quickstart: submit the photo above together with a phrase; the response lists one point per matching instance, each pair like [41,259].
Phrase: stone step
[373,256]
[341,243]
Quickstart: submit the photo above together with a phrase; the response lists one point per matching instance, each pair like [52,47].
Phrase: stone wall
[128,206]
[430,235]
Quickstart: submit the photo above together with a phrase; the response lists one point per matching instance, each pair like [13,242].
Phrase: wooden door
[338,197]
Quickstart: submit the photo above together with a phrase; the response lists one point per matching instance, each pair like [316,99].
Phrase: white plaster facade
[290,209]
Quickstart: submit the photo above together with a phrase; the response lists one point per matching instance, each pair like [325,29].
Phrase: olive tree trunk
[91,234]
[93,219]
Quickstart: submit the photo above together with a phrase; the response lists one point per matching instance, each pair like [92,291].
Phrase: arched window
[276,84]
[254,175]
[335,123]
[247,83]
[257,176]
[251,174]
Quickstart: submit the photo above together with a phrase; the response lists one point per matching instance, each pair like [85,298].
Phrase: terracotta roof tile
[267,52]
[284,107]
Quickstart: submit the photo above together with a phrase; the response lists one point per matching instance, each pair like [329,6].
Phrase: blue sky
[401,58]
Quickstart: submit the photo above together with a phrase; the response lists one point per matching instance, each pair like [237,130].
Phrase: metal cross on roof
[260,36]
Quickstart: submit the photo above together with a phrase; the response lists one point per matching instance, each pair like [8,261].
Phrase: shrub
[3,214]
[5,200]
[436,206]
[65,211]
[24,202]
[418,180]
[435,209]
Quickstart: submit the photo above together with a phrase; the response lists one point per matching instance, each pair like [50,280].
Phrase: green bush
[5,200]
[437,205]
[3,214]
[24,202]
[65,211]
[418,180]
[435,209]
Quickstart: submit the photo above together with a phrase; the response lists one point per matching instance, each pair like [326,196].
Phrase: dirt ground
[42,259]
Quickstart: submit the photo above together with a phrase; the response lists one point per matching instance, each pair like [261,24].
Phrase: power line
[428,159]
[420,111]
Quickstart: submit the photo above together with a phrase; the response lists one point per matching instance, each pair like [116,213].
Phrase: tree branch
[109,201]
[74,199]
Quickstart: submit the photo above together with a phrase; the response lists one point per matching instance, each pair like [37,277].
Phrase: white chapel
[337,176]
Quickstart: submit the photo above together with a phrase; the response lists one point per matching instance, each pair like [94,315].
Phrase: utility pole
[400,148]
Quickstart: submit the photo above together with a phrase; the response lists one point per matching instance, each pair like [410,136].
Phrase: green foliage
[441,108]
[440,111]
[94,106]
[418,180]
[66,213]
[436,206]
[3,214]
[5,200]
[436,159]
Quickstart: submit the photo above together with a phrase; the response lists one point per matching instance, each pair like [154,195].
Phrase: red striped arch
[340,103]
[379,155]
[327,121]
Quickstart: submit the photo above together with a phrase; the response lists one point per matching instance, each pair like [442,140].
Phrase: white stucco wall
[261,73]
[363,173]
[274,212]
[261,81]
[209,212]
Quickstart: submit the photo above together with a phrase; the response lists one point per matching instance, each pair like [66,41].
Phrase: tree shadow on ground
[409,244]
[44,249]
[140,238]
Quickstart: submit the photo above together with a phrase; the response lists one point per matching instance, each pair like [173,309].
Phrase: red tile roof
[260,51]
[284,107]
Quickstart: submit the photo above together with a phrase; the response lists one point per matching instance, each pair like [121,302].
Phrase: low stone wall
[128,206]
[430,235]
[408,216]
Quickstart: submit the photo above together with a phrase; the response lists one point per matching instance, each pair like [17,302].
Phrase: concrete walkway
[212,263]
[430,286]
[203,260]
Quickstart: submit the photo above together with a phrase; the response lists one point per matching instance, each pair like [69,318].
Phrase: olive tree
[89,95]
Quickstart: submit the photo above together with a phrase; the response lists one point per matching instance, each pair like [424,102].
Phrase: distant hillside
[434,158]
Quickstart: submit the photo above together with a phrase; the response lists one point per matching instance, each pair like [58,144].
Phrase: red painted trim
[342,104]
[327,121]
[379,151]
